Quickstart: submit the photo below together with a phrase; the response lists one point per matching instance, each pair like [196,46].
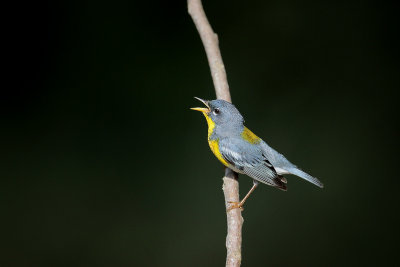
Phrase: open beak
[205,102]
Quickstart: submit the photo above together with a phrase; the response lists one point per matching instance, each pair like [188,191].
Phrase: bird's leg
[239,205]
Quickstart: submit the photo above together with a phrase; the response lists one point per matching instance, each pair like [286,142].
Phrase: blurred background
[103,163]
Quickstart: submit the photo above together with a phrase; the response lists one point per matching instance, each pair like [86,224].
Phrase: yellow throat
[214,143]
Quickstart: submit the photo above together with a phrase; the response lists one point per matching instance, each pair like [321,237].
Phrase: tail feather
[305,176]
[284,166]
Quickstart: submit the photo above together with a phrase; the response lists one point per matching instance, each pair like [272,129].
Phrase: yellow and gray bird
[242,151]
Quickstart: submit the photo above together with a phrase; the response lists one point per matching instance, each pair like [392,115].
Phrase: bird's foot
[235,205]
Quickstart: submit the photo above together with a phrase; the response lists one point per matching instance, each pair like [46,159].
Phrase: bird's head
[220,112]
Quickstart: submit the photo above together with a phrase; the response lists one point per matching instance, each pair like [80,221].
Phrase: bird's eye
[216,111]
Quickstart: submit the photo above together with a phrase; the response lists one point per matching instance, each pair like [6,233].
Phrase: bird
[239,149]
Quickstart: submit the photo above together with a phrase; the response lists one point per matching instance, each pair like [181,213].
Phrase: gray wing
[250,159]
[283,166]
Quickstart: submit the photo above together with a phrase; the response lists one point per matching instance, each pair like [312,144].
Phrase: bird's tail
[305,176]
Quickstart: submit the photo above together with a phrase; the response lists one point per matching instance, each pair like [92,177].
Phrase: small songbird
[242,151]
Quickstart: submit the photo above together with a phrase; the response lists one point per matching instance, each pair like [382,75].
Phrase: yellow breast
[214,143]
[215,149]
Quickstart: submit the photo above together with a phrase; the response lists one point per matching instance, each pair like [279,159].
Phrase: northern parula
[242,151]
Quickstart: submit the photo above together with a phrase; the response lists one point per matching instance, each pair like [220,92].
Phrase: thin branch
[210,42]
[234,219]
[230,180]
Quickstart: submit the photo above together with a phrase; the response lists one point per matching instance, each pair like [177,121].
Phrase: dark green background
[103,163]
